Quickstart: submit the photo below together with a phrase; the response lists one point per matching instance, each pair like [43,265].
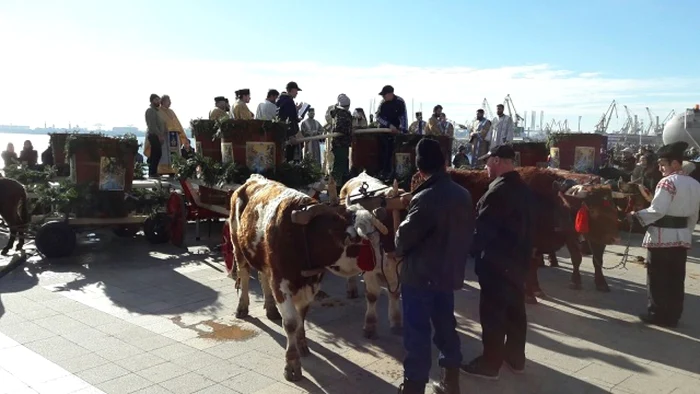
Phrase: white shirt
[676,195]
[266,111]
[502,131]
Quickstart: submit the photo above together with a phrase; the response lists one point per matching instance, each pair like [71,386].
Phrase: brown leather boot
[449,382]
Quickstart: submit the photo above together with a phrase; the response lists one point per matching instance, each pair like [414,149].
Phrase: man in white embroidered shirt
[267,110]
[671,219]
[502,129]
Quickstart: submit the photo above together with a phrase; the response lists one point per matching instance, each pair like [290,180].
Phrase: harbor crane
[508,103]
[602,126]
[485,105]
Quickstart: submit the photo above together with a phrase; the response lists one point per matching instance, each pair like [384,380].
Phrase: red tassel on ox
[582,220]
[365,260]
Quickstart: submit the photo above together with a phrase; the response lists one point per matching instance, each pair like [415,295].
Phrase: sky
[96,62]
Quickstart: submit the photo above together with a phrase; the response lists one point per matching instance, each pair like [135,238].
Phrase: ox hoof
[352,294]
[539,294]
[575,286]
[369,333]
[397,330]
[303,349]
[530,299]
[554,264]
[602,287]
[242,313]
[293,372]
[4,252]
[273,314]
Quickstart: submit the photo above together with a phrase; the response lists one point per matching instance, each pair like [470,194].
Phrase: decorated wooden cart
[98,194]
[531,154]
[576,151]
[246,146]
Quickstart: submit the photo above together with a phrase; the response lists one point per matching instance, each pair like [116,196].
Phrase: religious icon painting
[403,164]
[112,174]
[584,158]
[260,156]
[554,157]
[198,147]
[226,152]
[517,159]
[173,140]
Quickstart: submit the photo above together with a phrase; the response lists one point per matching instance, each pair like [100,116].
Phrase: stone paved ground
[127,317]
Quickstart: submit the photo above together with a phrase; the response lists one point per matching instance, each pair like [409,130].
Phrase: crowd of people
[435,240]
[28,156]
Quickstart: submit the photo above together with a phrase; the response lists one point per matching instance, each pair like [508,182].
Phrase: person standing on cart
[390,114]
[340,146]
[288,112]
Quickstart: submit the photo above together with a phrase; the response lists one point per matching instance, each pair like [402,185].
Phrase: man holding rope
[434,243]
[671,219]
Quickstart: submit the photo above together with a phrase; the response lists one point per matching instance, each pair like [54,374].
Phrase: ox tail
[23,211]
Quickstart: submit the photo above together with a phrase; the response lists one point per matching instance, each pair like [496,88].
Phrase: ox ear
[379,213]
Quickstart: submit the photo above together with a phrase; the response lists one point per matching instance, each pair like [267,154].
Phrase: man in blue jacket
[287,112]
[390,114]
[433,243]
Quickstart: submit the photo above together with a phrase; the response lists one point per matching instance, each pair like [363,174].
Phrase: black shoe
[517,368]
[479,369]
[411,387]
[449,382]
[647,318]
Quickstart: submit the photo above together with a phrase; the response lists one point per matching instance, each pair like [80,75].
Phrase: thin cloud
[115,91]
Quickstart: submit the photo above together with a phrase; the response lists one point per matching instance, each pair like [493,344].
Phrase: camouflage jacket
[342,123]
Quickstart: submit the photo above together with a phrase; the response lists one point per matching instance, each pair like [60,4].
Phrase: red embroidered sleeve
[668,186]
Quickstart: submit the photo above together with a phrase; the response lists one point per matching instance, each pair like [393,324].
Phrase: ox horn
[620,195]
[397,203]
[379,225]
[332,191]
[305,216]
[644,192]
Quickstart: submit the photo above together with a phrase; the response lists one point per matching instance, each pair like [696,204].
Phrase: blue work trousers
[422,307]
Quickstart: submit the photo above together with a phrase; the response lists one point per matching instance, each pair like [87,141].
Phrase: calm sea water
[39,141]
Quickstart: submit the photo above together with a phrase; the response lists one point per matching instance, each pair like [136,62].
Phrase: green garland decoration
[294,175]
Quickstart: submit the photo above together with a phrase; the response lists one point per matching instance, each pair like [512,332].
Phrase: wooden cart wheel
[55,239]
[156,228]
[177,212]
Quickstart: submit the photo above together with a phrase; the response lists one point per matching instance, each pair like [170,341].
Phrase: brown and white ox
[292,240]
[385,272]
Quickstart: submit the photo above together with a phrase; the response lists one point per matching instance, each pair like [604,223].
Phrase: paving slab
[130,317]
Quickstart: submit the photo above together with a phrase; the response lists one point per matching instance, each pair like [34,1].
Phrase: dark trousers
[503,321]
[341,164]
[666,282]
[292,153]
[386,151]
[156,154]
[422,307]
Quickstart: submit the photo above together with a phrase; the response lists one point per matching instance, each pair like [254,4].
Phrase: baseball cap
[386,90]
[293,85]
[502,151]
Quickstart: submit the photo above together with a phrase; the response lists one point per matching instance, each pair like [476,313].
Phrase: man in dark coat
[434,243]
[502,249]
[392,115]
[287,112]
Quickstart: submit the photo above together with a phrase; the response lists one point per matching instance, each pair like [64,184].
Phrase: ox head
[362,227]
[599,200]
